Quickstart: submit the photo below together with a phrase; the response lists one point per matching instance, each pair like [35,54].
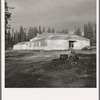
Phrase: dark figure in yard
[72,51]
[73,56]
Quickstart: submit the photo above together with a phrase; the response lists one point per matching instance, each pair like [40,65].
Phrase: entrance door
[71,44]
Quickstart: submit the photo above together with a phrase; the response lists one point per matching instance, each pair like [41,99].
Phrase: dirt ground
[36,69]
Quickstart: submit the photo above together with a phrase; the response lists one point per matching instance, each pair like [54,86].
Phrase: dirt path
[36,69]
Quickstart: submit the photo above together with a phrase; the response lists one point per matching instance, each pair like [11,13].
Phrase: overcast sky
[52,13]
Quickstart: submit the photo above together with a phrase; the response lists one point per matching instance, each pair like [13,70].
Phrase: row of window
[38,44]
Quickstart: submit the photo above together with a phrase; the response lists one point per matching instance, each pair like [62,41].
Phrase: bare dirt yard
[36,69]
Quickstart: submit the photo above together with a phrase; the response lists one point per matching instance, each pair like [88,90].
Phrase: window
[30,44]
[43,43]
[36,44]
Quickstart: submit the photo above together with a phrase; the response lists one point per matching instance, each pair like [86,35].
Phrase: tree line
[23,34]
[89,31]
[13,37]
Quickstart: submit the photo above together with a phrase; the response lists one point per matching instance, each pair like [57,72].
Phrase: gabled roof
[45,35]
[58,36]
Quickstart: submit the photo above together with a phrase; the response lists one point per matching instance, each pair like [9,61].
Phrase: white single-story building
[21,46]
[54,41]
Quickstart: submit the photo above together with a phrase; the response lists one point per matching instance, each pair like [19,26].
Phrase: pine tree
[7,26]
[40,31]
[88,32]
[78,32]
[8,40]
[30,33]
[63,31]
[94,33]
[11,41]
[43,29]
[85,30]
[16,38]
[53,30]
[49,30]
[66,31]
[22,35]
[35,31]
[57,31]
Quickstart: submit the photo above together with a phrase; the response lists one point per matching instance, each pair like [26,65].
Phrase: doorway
[71,44]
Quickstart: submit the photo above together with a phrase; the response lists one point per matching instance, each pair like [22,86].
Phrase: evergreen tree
[53,30]
[66,31]
[30,33]
[35,31]
[88,32]
[7,26]
[7,41]
[78,32]
[49,30]
[85,30]
[57,31]
[22,35]
[16,38]
[40,31]
[94,33]
[63,31]
[44,29]
[12,32]
[11,41]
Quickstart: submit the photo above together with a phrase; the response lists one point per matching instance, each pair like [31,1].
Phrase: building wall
[38,45]
[79,44]
[51,45]
[57,45]
[21,47]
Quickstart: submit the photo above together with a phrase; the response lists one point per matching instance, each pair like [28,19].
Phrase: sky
[52,13]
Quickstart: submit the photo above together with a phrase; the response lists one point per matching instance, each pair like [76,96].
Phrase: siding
[57,45]
[80,44]
[53,42]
